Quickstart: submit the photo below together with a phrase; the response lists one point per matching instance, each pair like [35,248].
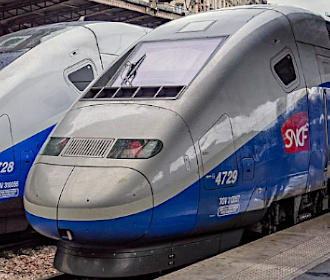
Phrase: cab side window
[285,70]
[82,77]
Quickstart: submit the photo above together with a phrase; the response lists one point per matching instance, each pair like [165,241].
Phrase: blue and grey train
[211,125]
[43,70]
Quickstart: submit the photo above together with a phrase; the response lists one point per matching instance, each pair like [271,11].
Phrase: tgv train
[43,70]
[212,124]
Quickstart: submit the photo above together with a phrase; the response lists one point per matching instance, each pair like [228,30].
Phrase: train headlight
[55,146]
[135,149]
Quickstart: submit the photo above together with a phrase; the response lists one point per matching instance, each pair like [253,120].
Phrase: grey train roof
[307,26]
[48,31]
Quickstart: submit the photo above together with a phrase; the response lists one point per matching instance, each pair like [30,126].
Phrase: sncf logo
[295,133]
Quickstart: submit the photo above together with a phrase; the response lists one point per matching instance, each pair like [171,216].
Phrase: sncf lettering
[298,137]
[295,133]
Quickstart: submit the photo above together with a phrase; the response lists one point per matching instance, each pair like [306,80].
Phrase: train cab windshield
[165,63]
[14,45]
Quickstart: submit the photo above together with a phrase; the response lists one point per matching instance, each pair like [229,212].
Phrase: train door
[222,195]
[317,136]
[9,188]
[7,162]
[324,67]
[317,126]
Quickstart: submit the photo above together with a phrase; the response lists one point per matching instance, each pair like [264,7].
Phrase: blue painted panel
[169,219]
[12,183]
[248,169]
[176,216]
[318,147]
[327,89]
[286,169]
[277,170]
[118,230]
[44,226]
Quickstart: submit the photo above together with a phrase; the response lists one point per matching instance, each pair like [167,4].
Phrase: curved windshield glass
[165,63]
[13,45]
[7,58]
[29,38]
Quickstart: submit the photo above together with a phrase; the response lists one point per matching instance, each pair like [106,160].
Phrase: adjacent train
[43,70]
[211,125]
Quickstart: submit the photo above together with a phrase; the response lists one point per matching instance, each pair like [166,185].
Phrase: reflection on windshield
[12,41]
[29,38]
[165,63]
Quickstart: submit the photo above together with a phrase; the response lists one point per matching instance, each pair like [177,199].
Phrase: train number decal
[229,205]
[295,133]
[6,167]
[224,177]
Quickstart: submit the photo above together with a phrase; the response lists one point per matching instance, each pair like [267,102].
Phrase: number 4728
[226,177]
[6,167]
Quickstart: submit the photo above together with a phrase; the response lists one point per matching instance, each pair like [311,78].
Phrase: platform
[300,252]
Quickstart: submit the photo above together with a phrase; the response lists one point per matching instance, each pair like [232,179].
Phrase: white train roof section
[321,7]
[308,27]
[120,34]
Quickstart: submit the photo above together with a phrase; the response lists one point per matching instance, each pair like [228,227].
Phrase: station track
[62,276]
[21,240]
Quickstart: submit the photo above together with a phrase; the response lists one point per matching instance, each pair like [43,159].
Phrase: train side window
[285,70]
[82,77]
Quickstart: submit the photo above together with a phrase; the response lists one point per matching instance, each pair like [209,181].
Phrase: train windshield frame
[165,62]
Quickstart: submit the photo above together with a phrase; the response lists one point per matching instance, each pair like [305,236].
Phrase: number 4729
[226,177]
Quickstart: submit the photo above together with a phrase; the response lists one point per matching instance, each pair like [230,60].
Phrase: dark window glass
[82,77]
[7,58]
[55,146]
[285,70]
[328,26]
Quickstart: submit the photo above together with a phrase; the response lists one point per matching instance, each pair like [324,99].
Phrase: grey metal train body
[43,71]
[213,123]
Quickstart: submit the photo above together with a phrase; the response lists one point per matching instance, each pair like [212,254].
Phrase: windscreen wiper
[131,73]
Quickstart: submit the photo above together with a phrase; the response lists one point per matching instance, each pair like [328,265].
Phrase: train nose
[105,204]
[110,205]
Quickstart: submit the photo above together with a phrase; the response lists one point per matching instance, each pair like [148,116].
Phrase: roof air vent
[150,92]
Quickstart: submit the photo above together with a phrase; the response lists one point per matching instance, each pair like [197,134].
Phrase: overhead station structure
[17,15]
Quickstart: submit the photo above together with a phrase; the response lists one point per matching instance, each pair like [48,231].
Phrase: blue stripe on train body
[275,171]
[19,159]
